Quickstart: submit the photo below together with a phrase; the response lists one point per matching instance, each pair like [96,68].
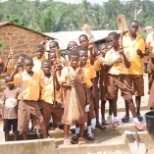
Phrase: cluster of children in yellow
[69,91]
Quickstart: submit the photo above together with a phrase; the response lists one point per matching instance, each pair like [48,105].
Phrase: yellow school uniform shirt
[37,63]
[89,73]
[111,56]
[47,90]
[97,65]
[30,85]
[98,62]
[136,67]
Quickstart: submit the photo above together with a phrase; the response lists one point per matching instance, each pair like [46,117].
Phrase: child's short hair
[52,52]
[21,55]
[70,43]
[38,46]
[54,42]
[134,21]
[73,54]
[114,34]
[27,58]
[84,35]
[83,49]
[100,45]
[46,61]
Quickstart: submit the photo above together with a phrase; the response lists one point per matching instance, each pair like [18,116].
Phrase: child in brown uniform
[40,55]
[72,80]
[103,78]
[30,91]
[84,42]
[9,96]
[56,66]
[49,86]
[89,74]
[118,79]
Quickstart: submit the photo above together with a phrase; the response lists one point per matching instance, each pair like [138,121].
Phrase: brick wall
[11,35]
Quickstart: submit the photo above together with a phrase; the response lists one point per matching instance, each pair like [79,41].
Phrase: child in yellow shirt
[28,98]
[49,87]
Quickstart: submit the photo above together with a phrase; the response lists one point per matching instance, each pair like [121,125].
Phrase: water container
[150,121]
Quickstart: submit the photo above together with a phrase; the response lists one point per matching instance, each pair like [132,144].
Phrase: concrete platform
[108,141]
[42,146]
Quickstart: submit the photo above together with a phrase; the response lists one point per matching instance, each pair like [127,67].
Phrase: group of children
[69,90]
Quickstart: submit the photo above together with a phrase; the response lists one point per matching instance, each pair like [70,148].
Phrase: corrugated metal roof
[64,37]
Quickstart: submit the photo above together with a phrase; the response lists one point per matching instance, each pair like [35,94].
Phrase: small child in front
[9,96]
[72,79]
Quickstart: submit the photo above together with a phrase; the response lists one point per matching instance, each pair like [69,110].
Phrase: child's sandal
[81,140]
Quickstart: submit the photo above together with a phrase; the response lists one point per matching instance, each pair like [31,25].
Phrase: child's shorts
[10,124]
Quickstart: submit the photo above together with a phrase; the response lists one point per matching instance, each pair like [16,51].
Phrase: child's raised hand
[18,65]
[90,47]
[147,52]
[58,67]
[121,50]
[139,52]
[10,55]
[53,73]
[65,62]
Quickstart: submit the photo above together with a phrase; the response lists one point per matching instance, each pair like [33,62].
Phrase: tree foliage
[57,16]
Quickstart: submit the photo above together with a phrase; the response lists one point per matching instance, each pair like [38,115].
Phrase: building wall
[20,39]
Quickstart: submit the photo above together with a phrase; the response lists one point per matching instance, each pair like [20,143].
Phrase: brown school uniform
[28,105]
[117,78]
[90,74]
[47,99]
[95,89]
[75,97]
[103,79]
[135,71]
